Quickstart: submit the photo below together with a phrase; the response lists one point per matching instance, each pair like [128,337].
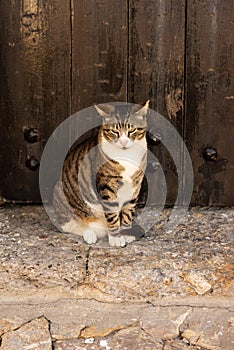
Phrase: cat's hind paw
[89,236]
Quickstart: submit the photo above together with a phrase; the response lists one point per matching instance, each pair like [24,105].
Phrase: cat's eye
[131,131]
[115,132]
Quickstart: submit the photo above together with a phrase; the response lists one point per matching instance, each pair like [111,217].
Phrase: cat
[102,177]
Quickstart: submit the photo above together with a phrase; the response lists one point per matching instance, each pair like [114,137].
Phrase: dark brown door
[58,57]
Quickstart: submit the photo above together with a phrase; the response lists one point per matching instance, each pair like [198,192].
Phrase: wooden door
[209,101]
[35,88]
[58,57]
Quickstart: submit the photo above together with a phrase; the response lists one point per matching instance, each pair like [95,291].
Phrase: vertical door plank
[209,99]
[156,69]
[35,80]
[99,52]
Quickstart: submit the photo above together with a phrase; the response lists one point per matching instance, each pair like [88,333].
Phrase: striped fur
[101,178]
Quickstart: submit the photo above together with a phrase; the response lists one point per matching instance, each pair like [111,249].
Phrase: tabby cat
[102,177]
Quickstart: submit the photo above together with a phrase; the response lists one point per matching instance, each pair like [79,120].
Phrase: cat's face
[123,129]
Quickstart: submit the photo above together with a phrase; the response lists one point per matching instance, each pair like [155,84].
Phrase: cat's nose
[123,142]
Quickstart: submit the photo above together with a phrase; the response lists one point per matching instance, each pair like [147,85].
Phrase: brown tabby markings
[101,177]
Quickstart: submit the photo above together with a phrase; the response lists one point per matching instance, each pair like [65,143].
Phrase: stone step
[172,289]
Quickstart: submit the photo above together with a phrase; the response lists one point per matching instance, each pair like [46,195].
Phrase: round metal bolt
[153,137]
[32,135]
[153,165]
[32,163]
[210,154]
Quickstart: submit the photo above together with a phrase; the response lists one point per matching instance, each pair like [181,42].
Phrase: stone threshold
[171,290]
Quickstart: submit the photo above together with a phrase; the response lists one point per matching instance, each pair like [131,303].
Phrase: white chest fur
[131,160]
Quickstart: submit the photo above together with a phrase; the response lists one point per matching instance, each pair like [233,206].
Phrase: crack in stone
[183,319]
[181,330]
[13,330]
[124,303]
[147,302]
[144,303]
[82,330]
[22,325]
[87,273]
[50,332]
[227,308]
[106,332]
[150,336]
[27,322]
[198,341]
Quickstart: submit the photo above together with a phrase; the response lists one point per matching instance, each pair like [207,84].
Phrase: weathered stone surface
[92,344]
[164,323]
[134,339]
[171,290]
[76,344]
[66,330]
[198,281]
[33,255]
[80,320]
[127,339]
[88,318]
[73,318]
[33,335]
[195,257]
[7,325]
[180,345]
[81,344]
[210,328]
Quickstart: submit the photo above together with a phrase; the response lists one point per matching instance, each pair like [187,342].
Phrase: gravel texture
[172,289]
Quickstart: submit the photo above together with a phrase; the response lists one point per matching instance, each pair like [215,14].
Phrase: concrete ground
[171,290]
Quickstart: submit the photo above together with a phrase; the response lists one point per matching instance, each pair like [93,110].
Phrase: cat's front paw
[117,241]
[90,237]
[129,238]
[120,241]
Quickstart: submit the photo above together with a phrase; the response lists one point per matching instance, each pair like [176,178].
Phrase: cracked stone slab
[145,291]
[194,258]
[133,338]
[78,321]
[180,345]
[164,323]
[71,319]
[32,335]
[8,324]
[210,328]
[34,256]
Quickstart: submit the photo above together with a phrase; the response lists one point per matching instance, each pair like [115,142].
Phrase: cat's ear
[106,111]
[141,112]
